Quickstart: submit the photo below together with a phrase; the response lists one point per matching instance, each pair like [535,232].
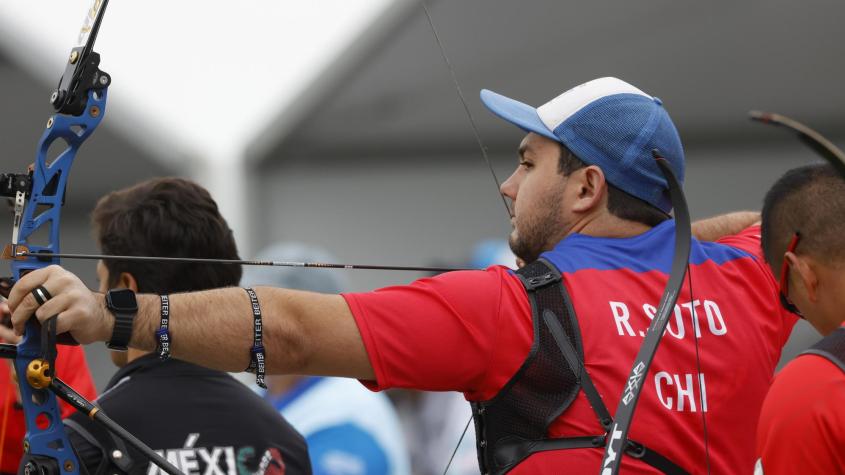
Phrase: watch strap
[122,331]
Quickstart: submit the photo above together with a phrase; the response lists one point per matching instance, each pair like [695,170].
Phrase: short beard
[538,232]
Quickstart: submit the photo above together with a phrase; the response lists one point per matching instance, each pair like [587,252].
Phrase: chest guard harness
[831,347]
[514,424]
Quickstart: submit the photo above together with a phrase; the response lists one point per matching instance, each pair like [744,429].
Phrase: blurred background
[337,123]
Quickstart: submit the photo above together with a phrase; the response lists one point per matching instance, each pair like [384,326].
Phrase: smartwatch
[124,307]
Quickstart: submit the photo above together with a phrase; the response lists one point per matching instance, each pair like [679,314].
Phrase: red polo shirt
[802,423]
[470,331]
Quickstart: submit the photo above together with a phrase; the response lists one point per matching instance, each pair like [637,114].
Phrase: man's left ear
[127,281]
[592,188]
[807,275]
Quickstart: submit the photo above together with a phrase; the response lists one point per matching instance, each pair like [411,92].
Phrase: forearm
[303,332]
[211,328]
[717,227]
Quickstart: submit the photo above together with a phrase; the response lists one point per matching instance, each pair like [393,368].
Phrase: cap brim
[517,113]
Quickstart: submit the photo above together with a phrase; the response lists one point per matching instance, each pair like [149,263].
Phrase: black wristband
[256,363]
[163,333]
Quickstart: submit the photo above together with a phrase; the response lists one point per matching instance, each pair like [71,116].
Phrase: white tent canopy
[193,81]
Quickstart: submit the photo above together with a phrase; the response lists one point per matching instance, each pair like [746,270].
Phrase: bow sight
[38,196]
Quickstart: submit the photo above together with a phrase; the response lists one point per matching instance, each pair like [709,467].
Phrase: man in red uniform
[802,423]
[588,199]
[72,369]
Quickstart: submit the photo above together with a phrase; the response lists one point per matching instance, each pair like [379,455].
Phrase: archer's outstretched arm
[304,332]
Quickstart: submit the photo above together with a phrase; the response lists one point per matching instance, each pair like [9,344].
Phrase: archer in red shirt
[802,423]
[470,331]
[587,196]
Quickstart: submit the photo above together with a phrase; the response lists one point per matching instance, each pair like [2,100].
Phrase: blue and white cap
[609,123]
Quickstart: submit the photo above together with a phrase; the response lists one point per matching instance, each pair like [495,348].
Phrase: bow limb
[821,145]
[617,439]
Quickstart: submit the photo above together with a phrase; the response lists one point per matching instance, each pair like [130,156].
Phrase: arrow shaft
[197,260]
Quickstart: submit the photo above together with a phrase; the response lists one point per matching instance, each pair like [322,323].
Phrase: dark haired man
[590,201]
[201,420]
[802,423]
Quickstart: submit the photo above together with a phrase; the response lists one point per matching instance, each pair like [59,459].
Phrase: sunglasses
[784,278]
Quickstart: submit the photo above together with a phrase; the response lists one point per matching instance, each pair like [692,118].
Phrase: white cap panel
[562,107]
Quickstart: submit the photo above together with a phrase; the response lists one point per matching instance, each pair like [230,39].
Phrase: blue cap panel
[517,113]
[617,133]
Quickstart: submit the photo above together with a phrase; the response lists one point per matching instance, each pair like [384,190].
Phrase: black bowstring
[701,402]
[458,445]
[483,153]
[466,107]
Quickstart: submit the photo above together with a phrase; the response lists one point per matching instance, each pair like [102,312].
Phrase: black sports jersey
[203,421]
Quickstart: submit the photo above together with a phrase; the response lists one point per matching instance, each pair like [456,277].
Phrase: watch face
[122,300]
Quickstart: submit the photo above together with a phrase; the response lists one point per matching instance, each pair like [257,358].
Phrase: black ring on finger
[41,295]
